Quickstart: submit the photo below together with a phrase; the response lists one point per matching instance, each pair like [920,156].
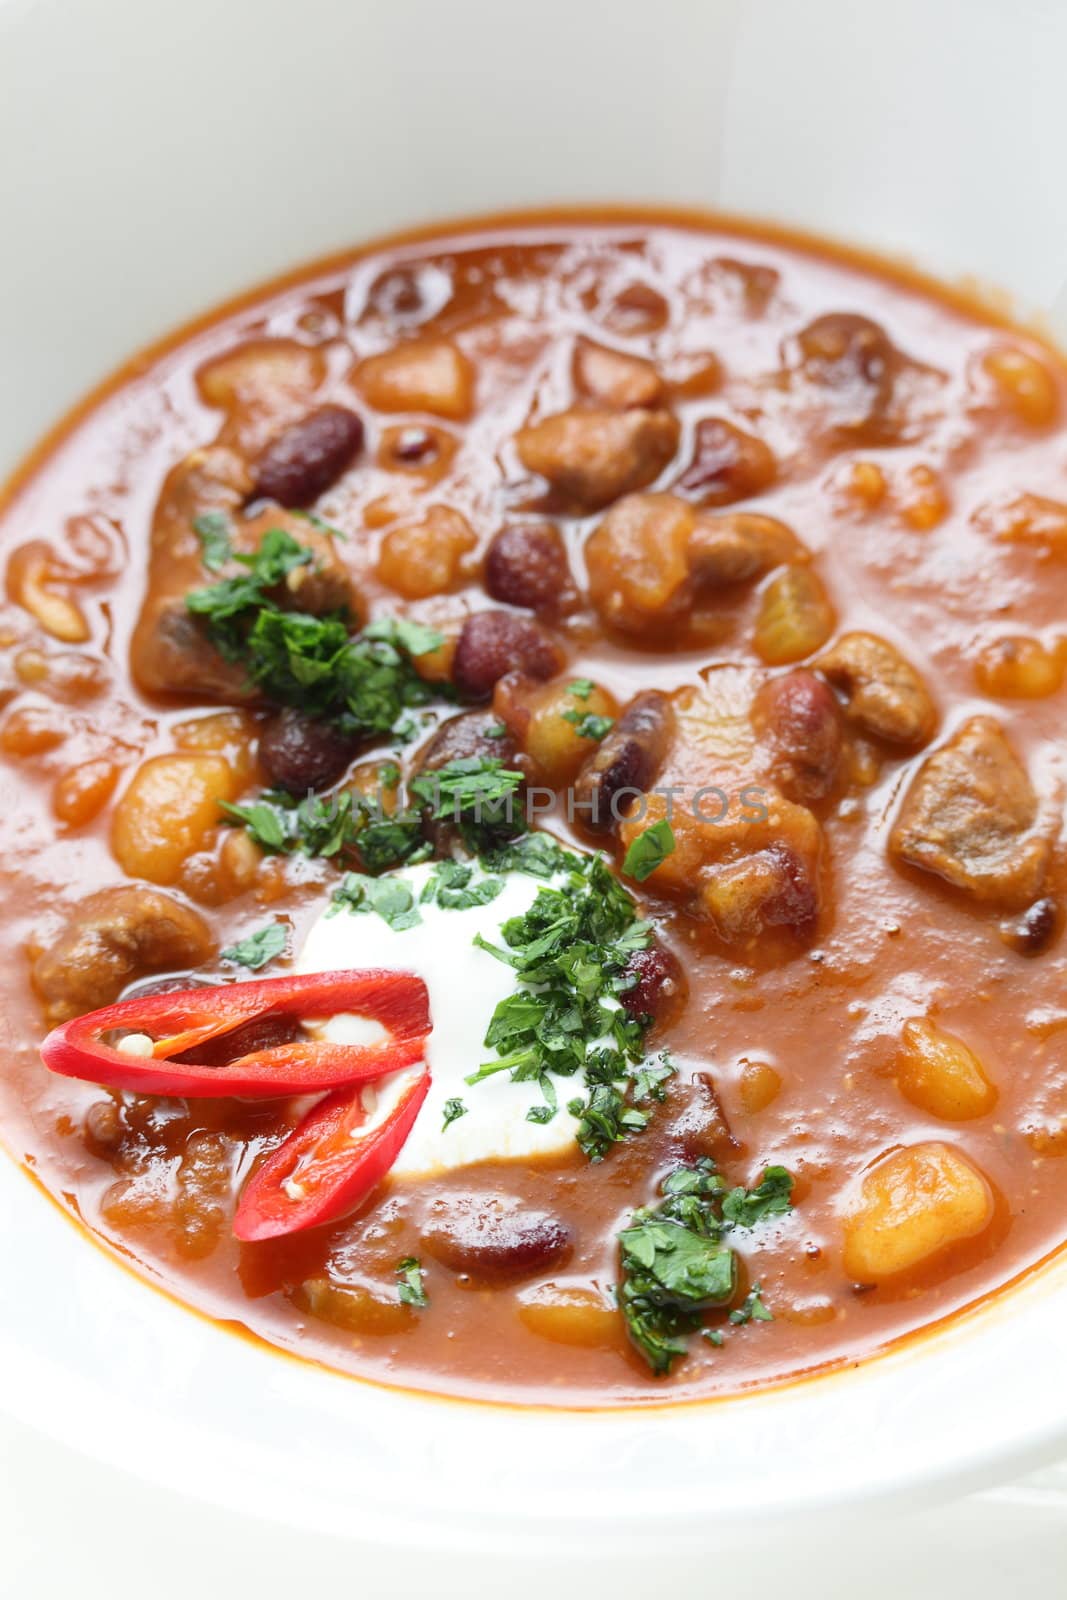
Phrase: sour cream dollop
[465,984]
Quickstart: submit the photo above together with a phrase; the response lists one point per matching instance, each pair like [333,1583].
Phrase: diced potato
[262,374]
[166,812]
[941,1074]
[1018,667]
[83,792]
[570,1314]
[638,562]
[548,726]
[357,1307]
[233,734]
[1024,384]
[423,375]
[420,559]
[795,618]
[760,1085]
[911,1206]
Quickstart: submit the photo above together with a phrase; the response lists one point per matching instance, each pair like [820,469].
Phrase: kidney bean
[801,720]
[302,461]
[1033,930]
[526,565]
[492,643]
[463,736]
[661,989]
[300,754]
[727,464]
[629,757]
[494,1236]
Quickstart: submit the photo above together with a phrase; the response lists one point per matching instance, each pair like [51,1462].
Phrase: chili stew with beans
[534,764]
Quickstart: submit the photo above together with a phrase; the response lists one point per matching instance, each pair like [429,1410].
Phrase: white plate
[155,159]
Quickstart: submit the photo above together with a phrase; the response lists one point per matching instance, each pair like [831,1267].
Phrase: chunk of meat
[526,565]
[112,938]
[612,378]
[799,718]
[299,753]
[639,564]
[321,585]
[628,759]
[427,374]
[172,654]
[884,694]
[851,363]
[727,464]
[754,865]
[701,1128]
[492,643]
[493,1236]
[740,545]
[971,818]
[308,456]
[592,456]
[660,989]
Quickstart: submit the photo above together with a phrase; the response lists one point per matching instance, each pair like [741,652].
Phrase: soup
[628,652]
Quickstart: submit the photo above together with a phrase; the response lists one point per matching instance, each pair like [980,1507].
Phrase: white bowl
[151,162]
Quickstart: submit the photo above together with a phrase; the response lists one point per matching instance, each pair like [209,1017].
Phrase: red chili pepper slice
[328,1164]
[178,1023]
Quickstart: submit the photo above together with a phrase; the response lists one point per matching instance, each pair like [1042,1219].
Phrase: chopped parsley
[454,1109]
[332,825]
[477,793]
[676,1263]
[570,951]
[751,1309]
[648,851]
[454,887]
[259,947]
[588,725]
[412,1279]
[212,528]
[581,688]
[391,898]
[770,1198]
[364,682]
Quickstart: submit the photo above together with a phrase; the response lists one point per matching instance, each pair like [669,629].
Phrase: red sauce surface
[906,526]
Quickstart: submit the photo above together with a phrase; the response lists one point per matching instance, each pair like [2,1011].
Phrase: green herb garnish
[588,725]
[454,1109]
[212,528]
[412,1290]
[364,682]
[649,850]
[676,1264]
[259,947]
[477,793]
[581,688]
[570,952]
[391,898]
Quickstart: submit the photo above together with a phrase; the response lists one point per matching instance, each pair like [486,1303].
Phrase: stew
[535,773]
